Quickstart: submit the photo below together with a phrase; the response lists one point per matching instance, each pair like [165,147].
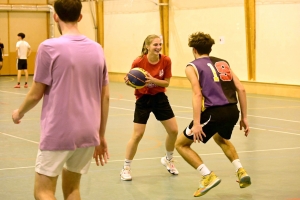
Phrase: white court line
[189,118]
[248,95]
[122,99]
[281,99]
[298,134]
[154,158]
[212,154]
[176,107]
[12,92]
[12,168]
[121,108]
[286,120]
[190,108]
[19,138]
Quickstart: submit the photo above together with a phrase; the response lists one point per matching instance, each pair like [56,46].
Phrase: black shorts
[219,119]
[1,59]
[158,104]
[22,64]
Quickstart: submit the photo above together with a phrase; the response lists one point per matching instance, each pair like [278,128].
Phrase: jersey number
[224,70]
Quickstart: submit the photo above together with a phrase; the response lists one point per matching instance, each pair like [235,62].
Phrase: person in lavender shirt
[71,77]
[215,111]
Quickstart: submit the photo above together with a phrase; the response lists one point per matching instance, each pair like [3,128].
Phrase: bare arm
[104,109]
[17,53]
[28,52]
[32,98]
[196,100]
[243,103]
[101,152]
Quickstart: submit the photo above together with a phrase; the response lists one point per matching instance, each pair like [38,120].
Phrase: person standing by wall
[1,55]
[72,78]
[23,52]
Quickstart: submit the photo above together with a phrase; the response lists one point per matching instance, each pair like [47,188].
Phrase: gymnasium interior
[260,40]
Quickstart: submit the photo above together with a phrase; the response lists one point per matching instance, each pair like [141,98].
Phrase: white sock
[203,170]
[127,163]
[169,155]
[237,164]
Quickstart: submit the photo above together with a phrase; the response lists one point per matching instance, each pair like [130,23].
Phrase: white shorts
[51,163]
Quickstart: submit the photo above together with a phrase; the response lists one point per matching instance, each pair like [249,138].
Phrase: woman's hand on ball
[149,78]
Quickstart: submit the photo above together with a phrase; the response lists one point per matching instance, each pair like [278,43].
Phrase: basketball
[137,78]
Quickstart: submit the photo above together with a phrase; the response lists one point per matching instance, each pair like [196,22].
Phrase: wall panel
[221,23]
[124,37]
[34,25]
[4,39]
[28,2]
[278,41]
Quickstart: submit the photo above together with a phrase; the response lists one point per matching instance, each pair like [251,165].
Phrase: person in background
[1,55]
[23,52]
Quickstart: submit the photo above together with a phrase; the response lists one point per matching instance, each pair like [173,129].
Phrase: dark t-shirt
[1,47]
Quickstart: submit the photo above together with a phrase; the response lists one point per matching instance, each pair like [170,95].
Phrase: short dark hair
[22,35]
[201,42]
[68,10]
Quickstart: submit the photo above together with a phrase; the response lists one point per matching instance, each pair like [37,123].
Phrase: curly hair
[201,42]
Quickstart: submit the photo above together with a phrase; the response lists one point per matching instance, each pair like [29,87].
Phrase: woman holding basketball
[152,98]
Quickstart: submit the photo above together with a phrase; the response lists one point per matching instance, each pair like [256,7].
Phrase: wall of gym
[127,23]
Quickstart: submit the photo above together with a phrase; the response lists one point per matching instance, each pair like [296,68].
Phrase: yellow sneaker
[208,182]
[244,178]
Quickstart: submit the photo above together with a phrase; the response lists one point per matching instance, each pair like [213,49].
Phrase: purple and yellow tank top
[216,81]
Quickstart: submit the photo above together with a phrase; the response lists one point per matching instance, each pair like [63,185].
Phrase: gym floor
[270,154]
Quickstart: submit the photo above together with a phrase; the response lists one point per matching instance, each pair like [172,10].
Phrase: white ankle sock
[169,155]
[237,164]
[203,170]
[127,163]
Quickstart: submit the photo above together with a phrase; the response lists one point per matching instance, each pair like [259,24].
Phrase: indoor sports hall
[259,39]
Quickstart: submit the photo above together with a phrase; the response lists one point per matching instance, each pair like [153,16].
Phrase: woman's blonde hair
[147,42]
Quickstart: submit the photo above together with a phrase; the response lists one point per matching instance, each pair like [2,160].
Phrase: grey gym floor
[270,154]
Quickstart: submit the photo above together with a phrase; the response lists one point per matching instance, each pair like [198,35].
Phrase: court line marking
[281,107]
[176,107]
[286,120]
[154,158]
[212,154]
[9,135]
[11,79]
[13,92]
[188,90]
[284,132]
[248,95]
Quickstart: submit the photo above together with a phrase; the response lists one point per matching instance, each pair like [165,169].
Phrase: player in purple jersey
[214,85]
